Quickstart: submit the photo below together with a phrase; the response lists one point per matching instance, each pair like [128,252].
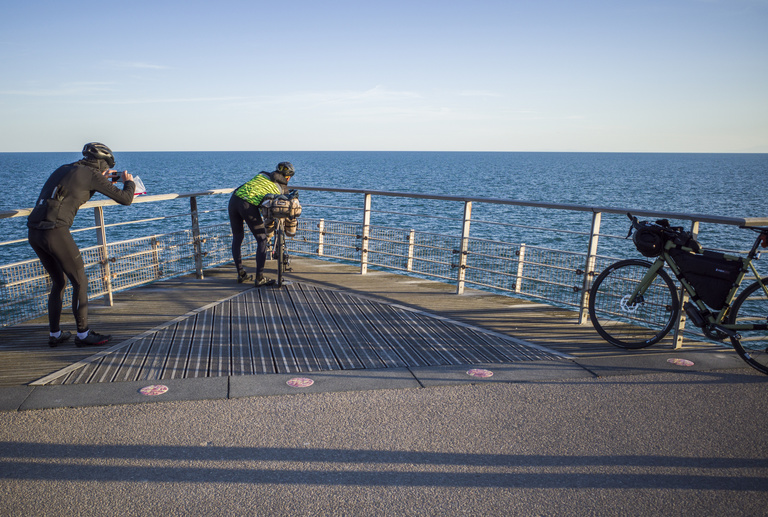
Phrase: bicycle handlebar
[661,224]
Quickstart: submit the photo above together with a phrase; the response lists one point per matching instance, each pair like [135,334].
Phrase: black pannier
[710,274]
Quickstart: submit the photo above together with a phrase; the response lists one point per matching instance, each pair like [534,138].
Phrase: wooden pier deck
[330,317]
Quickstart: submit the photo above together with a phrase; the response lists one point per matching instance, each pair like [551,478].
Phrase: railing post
[366,235]
[320,236]
[411,241]
[683,297]
[101,240]
[464,251]
[520,265]
[155,257]
[589,267]
[196,238]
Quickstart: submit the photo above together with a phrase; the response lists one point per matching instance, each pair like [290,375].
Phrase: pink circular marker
[300,382]
[157,389]
[680,362]
[479,372]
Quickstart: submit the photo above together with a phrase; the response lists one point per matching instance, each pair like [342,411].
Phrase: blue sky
[480,75]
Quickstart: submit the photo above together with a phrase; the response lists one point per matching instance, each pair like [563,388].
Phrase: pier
[328,320]
[565,424]
[386,380]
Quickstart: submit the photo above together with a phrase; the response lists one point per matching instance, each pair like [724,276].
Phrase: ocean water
[731,185]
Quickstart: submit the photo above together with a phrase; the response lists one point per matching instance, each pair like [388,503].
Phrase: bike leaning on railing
[634,303]
[280,212]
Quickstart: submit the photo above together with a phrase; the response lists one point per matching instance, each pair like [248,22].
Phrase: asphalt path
[688,443]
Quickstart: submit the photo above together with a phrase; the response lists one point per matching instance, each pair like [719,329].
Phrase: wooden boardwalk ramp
[329,317]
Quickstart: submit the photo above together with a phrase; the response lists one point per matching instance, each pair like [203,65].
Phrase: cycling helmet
[99,151]
[286,169]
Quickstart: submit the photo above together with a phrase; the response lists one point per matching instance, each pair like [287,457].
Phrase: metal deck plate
[297,328]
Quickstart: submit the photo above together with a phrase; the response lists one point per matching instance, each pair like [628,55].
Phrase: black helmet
[286,169]
[99,151]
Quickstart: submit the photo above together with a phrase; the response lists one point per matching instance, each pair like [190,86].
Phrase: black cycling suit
[62,195]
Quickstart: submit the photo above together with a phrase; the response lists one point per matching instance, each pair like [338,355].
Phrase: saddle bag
[711,274]
[280,207]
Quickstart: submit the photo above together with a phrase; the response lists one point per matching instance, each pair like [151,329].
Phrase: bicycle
[278,251]
[634,303]
[278,209]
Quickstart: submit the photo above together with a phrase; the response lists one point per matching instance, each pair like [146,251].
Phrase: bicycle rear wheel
[280,253]
[751,307]
[642,323]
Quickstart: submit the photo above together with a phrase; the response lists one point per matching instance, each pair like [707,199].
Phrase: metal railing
[437,238]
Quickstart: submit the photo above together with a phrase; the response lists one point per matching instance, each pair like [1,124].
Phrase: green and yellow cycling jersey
[254,190]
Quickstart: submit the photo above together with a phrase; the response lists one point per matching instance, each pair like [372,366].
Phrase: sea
[728,185]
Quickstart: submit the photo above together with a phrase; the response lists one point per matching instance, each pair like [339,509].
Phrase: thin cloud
[65,90]
[136,65]
[479,93]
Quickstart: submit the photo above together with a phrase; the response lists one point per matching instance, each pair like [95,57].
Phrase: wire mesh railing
[434,237]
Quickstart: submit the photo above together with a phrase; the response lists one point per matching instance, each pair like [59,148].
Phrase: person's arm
[105,186]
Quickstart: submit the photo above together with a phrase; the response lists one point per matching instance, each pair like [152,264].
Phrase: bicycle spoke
[751,308]
[639,323]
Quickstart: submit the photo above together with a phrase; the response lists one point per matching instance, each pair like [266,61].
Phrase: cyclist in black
[244,207]
[62,195]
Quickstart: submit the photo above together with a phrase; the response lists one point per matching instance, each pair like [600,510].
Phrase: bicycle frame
[710,320]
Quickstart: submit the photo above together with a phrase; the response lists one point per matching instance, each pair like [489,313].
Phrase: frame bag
[711,274]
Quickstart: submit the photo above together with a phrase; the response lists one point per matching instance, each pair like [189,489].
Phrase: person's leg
[238,234]
[252,217]
[39,243]
[62,245]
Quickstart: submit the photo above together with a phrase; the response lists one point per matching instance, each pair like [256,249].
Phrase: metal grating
[299,328]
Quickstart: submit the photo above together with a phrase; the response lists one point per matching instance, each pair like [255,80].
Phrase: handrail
[731,221]
[458,254]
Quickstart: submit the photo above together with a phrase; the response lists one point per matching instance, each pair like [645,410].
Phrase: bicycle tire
[280,248]
[641,324]
[752,346]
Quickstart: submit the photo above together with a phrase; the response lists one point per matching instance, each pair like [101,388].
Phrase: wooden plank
[178,352]
[278,341]
[305,312]
[220,341]
[348,318]
[134,360]
[200,346]
[157,356]
[401,326]
[326,316]
[261,352]
[469,340]
[438,333]
[299,343]
[241,363]
[366,328]
[389,330]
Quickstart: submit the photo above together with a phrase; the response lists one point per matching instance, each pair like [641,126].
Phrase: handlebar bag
[648,239]
[711,274]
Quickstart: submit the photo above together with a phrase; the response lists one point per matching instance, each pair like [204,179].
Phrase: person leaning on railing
[62,195]
[244,208]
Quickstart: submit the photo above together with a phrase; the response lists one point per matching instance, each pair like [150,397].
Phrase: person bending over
[244,208]
[48,225]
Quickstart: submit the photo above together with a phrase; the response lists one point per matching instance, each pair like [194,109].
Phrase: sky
[412,75]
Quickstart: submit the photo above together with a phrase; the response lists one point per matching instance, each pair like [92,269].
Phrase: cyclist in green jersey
[244,208]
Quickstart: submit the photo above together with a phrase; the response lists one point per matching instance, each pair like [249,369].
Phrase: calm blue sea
[719,184]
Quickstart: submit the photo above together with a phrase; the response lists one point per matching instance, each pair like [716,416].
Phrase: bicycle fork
[633,301]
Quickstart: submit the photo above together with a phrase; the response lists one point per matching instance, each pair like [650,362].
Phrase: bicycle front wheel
[639,324]
[751,308]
